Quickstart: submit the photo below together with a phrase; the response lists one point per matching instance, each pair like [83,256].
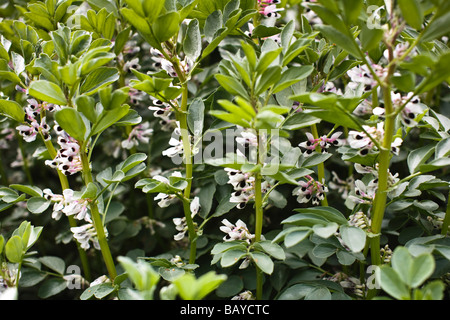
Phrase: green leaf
[352,9]
[47,91]
[140,273]
[295,49]
[300,120]
[353,237]
[343,40]
[291,76]
[437,28]
[391,282]
[139,23]
[422,268]
[12,110]
[268,78]
[232,85]
[2,243]
[86,105]
[412,12]
[98,79]
[51,287]
[38,204]
[191,288]
[54,263]
[328,213]
[272,249]
[196,115]
[108,118]
[232,286]
[419,156]
[266,58]
[166,26]
[325,231]
[71,121]
[132,161]
[230,257]
[95,58]
[192,44]
[30,190]
[295,237]
[213,23]
[14,249]
[263,262]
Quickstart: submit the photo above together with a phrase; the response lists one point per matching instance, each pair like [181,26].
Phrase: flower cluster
[176,143]
[269,8]
[85,234]
[160,62]
[362,76]
[343,187]
[181,224]
[323,142]
[365,193]
[69,203]
[140,133]
[246,295]
[410,108]
[243,185]
[67,159]
[236,232]
[359,219]
[364,141]
[386,254]
[276,38]
[30,130]
[310,190]
[165,199]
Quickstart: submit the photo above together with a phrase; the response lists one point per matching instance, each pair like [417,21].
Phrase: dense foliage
[224,149]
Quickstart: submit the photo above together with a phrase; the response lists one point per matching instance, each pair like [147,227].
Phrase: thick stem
[182,117]
[65,185]
[379,204]
[446,223]
[101,236]
[258,231]
[320,166]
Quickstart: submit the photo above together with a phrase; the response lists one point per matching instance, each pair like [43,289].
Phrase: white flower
[236,232]
[310,190]
[140,133]
[246,295]
[181,224]
[85,234]
[195,205]
[363,194]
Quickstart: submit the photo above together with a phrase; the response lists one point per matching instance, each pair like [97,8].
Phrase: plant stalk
[98,224]
[446,223]
[379,204]
[65,185]
[320,166]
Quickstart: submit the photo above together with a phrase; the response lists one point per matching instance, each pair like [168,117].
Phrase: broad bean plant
[225,149]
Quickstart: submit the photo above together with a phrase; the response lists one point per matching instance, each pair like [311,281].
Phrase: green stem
[65,185]
[101,236]
[320,166]
[446,223]
[182,117]
[379,204]
[258,231]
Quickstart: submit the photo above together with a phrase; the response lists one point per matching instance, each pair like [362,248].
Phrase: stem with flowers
[181,115]
[97,220]
[379,204]
[65,185]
